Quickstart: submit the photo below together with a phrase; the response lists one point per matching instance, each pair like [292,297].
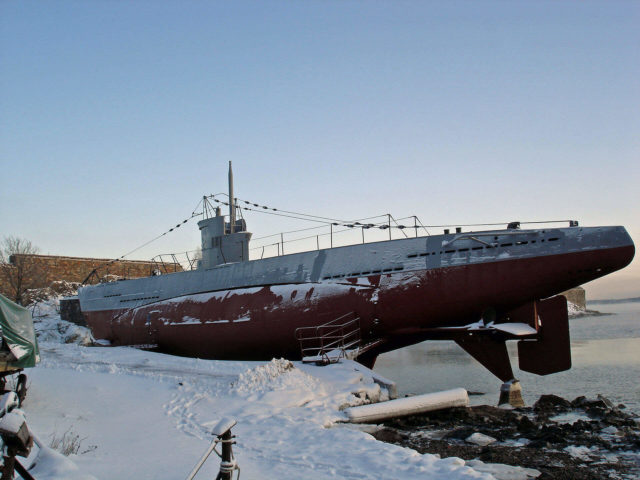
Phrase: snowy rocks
[45,309]
[586,439]
[49,328]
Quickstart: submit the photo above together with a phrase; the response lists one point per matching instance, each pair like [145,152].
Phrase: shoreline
[583,439]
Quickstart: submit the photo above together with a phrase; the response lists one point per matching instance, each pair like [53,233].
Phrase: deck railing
[357,232]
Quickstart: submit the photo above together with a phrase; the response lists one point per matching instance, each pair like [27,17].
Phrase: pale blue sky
[116,117]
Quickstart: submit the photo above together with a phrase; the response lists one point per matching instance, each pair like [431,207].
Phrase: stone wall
[50,268]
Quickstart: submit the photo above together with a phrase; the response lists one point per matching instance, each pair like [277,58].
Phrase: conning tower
[224,242]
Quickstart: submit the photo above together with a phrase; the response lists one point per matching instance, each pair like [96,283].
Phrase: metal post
[389,220]
[278,248]
[331,233]
[262,256]
[415,225]
[318,241]
[282,240]
[232,206]
[227,464]
[362,234]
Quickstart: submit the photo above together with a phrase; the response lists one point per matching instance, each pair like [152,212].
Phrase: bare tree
[18,267]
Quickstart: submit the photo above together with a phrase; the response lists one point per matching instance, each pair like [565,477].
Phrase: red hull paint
[260,323]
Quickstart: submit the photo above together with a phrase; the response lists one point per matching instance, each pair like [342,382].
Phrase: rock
[525,424]
[579,401]
[388,435]
[459,433]
[608,403]
[551,403]
[480,439]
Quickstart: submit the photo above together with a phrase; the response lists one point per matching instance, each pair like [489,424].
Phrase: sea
[605,353]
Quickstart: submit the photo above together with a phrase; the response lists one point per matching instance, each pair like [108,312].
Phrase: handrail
[190,262]
[320,340]
[182,260]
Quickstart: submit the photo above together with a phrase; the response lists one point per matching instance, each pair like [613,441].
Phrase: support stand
[511,393]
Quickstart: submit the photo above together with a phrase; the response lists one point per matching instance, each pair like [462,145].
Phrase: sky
[117,117]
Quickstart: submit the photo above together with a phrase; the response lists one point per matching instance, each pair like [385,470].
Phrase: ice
[504,472]
[580,452]
[480,439]
[570,417]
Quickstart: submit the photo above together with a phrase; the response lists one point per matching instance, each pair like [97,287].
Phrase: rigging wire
[313,218]
[120,258]
[265,207]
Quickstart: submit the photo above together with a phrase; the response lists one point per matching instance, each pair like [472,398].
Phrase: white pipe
[428,402]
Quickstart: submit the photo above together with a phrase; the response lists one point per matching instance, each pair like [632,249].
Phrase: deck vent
[458,229]
[513,226]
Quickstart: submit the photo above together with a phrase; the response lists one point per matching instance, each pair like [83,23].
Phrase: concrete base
[511,393]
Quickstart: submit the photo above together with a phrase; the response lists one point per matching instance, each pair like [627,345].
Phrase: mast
[232,203]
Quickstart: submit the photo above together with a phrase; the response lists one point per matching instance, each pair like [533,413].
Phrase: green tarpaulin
[19,348]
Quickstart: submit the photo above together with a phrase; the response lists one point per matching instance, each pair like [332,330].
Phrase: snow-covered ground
[138,414]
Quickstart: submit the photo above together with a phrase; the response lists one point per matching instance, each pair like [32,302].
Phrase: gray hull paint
[354,261]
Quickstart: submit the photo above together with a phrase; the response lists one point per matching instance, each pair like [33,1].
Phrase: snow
[52,465]
[12,422]
[150,416]
[140,414]
[574,310]
[519,329]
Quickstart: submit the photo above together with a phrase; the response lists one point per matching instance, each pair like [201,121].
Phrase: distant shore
[613,301]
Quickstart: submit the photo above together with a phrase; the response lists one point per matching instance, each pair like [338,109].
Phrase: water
[605,355]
